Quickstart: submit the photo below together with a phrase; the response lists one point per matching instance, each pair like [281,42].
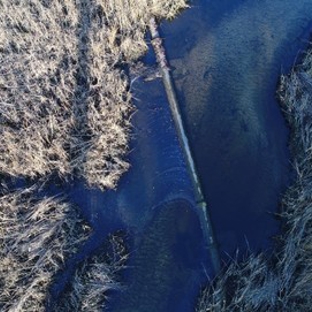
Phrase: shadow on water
[226,61]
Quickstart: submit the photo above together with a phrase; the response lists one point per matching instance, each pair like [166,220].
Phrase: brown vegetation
[64,99]
[36,235]
[94,278]
[283,282]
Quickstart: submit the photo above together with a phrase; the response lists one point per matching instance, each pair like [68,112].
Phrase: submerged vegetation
[282,282]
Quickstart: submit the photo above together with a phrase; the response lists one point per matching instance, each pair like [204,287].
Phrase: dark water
[227,57]
[162,271]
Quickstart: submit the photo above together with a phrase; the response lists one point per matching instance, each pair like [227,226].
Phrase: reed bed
[95,277]
[36,236]
[282,282]
[65,104]
[65,109]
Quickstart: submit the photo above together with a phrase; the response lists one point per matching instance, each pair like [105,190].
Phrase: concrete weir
[201,204]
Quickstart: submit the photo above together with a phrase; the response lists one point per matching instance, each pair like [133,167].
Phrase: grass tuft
[36,235]
[94,278]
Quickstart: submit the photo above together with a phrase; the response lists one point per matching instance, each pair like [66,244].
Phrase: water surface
[162,271]
[226,58]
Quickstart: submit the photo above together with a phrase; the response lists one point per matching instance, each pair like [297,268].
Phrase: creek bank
[281,282]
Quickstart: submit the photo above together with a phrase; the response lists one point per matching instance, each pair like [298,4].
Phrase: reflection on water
[227,55]
[165,259]
[226,83]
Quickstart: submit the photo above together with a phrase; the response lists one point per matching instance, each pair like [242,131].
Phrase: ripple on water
[226,84]
[165,262]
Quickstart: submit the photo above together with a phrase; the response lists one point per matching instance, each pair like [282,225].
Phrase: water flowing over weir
[226,58]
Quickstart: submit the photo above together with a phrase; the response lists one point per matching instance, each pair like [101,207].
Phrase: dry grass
[249,286]
[94,278]
[65,109]
[36,235]
[36,87]
[65,103]
[283,282]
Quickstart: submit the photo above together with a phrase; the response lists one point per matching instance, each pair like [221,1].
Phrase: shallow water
[226,61]
[158,177]
[163,267]
[227,57]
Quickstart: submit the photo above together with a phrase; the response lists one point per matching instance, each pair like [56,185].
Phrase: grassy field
[282,282]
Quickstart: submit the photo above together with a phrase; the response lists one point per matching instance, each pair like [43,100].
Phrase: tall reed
[36,236]
[283,281]
[65,104]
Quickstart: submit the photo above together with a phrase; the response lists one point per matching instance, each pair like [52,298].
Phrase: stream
[226,57]
[226,61]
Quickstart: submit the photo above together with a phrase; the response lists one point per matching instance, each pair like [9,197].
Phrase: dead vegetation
[94,278]
[283,282]
[36,236]
[65,109]
[64,98]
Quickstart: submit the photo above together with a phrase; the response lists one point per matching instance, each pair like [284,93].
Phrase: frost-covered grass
[284,281]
